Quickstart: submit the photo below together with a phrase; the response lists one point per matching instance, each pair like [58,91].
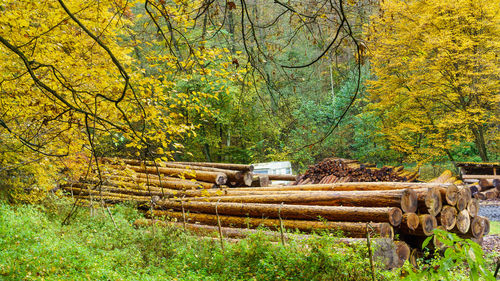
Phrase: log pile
[355,209]
[334,170]
[484,189]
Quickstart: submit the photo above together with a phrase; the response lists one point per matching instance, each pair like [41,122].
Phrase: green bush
[35,246]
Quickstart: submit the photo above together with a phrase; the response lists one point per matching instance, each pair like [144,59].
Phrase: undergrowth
[35,246]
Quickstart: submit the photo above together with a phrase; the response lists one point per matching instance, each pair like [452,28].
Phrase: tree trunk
[391,215]
[351,229]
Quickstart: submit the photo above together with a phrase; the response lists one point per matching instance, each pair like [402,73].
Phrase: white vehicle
[274,168]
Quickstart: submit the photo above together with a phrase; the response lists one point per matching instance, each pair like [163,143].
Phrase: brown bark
[391,215]
[228,166]
[352,186]
[79,188]
[397,198]
[170,182]
[350,229]
[282,177]
[491,194]
[212,177]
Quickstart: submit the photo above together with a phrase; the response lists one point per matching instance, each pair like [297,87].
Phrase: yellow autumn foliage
[437,75]
[71,78]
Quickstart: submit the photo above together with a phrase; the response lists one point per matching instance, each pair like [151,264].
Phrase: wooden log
[282,177]
[391,215]
[473,207]
[172,183]
[116,199]
[350,229]
[476,229]
[212,177]
[443,177]
[427,224]
[411,220]
[464,196]
[486,224]
[463,221]
[135,162]
[480,196]
[415,256]
[403,252]
[406,199]
[429,200]
[162,181]
[229,166]
[491,194]
[438,244]
[260,180]
[81,188]
[486,184]
[144,184]
[354,186]
[448,217]
[450,193]
[240,178]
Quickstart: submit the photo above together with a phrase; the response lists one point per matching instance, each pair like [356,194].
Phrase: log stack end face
[409,201]
[395,216]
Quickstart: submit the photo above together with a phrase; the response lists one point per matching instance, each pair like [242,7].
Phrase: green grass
[494,227]
[35,246]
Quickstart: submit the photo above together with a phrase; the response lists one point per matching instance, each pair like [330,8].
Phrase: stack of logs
[333,170]
[356,209]
[484,189]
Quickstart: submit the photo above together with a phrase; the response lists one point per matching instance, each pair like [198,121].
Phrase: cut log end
[448,217]
[395,216]
[463,221]
[486,224]
[452,195]
[411,220]
[428,224]
[438,244]
[409,202]
[464,196]
[433,201]
[386,231]
[221,179]
[402,251]
[477,228]
[473,207]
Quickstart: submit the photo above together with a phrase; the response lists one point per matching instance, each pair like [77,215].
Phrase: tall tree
[437,74]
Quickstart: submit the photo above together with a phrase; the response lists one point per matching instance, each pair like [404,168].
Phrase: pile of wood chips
[332,170]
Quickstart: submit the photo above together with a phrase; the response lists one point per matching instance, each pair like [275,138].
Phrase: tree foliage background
[244,81]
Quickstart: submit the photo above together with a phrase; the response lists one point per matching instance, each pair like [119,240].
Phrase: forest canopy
[246,81]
